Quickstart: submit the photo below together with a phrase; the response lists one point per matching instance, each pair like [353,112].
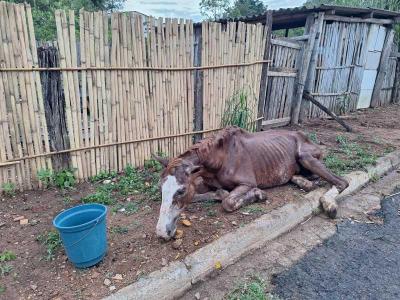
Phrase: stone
[23,221]
[112,288]
[178,234]
[177,243]
[187,223]
[107,181]
[33,287]
[164,262]
[107,282]
[197,296]
[117,277]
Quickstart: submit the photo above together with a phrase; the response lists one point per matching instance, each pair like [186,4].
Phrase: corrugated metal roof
[298,14]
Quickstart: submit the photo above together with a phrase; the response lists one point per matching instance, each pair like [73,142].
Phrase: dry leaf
[23,221]
[177,256]
[178,234]
[218,265]
[186,223]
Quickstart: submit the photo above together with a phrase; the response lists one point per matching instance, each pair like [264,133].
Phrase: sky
[188,9]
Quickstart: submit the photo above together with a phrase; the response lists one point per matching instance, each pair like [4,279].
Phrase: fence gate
[285,56]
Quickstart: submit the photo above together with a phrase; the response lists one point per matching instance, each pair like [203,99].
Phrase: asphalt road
[360,261]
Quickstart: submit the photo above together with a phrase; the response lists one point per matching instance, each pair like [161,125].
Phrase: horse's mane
[203,147]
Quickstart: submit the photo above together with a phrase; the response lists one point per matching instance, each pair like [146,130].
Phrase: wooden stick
[310,98]
[119,68]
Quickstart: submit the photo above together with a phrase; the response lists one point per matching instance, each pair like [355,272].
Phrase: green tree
[215,9]
[243,8]
[43,12]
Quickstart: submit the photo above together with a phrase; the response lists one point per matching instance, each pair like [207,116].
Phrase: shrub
[64,179]
[8,189]
[46,177]
[51,241]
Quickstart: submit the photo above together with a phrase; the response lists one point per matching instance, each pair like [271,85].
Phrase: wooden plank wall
[23,130]
[231,43]
[388,82]
[339,67]
[281,78]
[112,106]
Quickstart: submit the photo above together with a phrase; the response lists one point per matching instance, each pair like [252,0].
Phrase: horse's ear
[162,160]
[192,169]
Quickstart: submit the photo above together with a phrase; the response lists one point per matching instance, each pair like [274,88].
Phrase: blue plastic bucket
[83,233]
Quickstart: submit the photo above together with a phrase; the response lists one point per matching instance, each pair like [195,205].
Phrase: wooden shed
[346,59]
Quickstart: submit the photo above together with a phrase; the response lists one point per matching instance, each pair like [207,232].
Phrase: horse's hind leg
[241,196]
[317,167]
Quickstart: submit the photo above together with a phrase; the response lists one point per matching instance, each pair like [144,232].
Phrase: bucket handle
[83,237]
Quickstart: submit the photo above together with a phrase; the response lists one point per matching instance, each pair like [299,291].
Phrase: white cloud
[188,8]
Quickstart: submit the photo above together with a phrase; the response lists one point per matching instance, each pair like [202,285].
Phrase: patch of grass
[103,175]
[374,177]
[5,269]
[208,203]
[389,149]
[253,209]
[46,177]
[64,179]
[355,157]
[313,137]
[145,181]
[7,255]
[67,200]
[240,111]
[8,189]
[253,290]
[2,289]
[119,230]
[101,197]
[211,212]
[52,241]
[130,208]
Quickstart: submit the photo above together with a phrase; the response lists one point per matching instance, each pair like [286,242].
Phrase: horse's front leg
[241,196]
[218,195]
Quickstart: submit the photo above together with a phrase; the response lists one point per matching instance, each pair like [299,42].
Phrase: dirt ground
[134,249]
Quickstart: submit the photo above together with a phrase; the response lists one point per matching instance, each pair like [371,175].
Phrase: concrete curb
[175,279]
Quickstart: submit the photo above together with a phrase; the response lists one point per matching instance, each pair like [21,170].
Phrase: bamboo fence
[388,83]
[23,130]
[231,43]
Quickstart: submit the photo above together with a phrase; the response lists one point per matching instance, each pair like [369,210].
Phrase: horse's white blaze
[168,211]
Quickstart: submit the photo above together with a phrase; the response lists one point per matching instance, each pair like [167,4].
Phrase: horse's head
[177,190]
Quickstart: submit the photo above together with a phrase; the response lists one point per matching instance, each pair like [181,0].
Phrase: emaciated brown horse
[235,165]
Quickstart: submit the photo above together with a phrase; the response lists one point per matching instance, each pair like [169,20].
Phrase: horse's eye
[180,192]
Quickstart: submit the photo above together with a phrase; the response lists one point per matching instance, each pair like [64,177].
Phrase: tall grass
[240,111]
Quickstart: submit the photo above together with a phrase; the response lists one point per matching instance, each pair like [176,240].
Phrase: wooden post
[383,65]
[264,71]
[309,79]
[54,105]
[198,84]
[396,87]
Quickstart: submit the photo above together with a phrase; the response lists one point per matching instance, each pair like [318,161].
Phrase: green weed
[7,256]
[253,209]
[8,189]
[52,241]
[130,208]
[374,177]
[101,197]
[103,175]
[313,137]
[253,290]
[5,269]
[2,289]
[211,212]
[119,229]
[355,157]
[240,111]
[46,177]
[67,200]
[64,179]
